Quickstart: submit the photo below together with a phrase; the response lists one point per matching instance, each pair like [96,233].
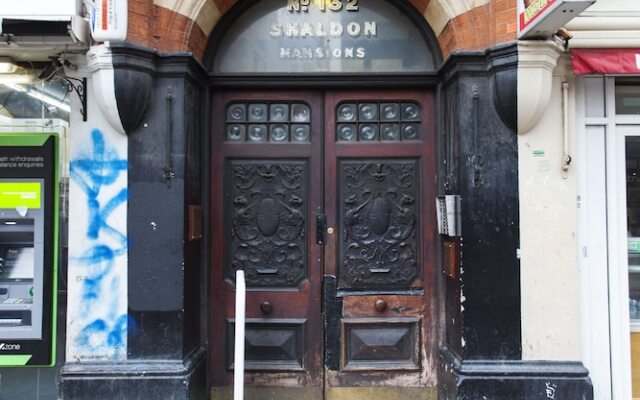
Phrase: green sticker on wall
[538,153]
[20,194]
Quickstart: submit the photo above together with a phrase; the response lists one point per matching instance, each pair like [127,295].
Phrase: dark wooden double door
[326,201]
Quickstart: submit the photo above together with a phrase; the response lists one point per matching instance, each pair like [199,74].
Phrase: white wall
[549,270]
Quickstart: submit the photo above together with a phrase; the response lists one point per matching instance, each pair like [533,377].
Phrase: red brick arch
[162,28]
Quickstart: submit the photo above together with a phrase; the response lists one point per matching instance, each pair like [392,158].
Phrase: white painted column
[97,320]
[548,213]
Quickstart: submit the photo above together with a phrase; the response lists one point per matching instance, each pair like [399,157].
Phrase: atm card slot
[15,318]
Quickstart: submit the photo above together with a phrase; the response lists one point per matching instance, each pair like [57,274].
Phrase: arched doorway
[323,186]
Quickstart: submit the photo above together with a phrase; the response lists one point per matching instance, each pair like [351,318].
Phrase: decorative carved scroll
[378,217]
[266,226]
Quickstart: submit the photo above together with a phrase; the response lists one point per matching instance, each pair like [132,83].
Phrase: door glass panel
[633,232]
[264,122]
[379,121]
[302,36]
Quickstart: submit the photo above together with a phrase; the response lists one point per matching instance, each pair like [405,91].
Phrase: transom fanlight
[374,37]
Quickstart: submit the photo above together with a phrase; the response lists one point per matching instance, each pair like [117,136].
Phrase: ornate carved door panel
[379,196]
[327,204]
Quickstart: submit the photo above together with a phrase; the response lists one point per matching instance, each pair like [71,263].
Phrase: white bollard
[238,355]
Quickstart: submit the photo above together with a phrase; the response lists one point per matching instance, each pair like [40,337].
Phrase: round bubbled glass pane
[235,132]
[300,113]
[300,133]
[368,112]
[368,132]
[279,133]
[389,111]
[347,112]
[410,112]
[257,133]
[347,132]
[257,112]
[390,131]
[279,112]
[410,132]
[237,112]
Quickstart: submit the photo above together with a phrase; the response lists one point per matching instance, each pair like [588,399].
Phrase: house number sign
[320,28]
[333,5]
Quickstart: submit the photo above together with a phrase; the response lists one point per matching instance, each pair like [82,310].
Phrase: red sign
[105,15]
[605,61]
[541,19]
[533,9]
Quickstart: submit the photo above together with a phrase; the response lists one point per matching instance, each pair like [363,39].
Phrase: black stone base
[512,380]
[167,380]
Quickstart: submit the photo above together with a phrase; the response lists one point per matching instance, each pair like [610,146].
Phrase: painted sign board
[540,19]
[108,19]
[28,248]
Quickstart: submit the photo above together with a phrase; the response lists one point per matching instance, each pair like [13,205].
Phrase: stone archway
[187,25]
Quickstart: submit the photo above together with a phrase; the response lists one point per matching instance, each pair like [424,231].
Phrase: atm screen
[17,262]
[17,255]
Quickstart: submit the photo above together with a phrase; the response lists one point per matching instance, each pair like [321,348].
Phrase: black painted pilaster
[483,169]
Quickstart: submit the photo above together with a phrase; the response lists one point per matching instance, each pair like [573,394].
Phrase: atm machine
[28,248]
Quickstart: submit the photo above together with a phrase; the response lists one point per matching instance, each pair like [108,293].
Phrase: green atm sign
[20,194]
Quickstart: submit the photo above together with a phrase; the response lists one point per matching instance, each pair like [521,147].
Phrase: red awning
[605,61]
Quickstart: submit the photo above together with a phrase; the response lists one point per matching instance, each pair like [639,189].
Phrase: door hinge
[448,209]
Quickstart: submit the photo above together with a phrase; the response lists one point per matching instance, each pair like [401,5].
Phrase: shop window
[633,232]
[627,97]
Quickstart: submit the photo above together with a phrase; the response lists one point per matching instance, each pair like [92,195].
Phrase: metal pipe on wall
[566,157]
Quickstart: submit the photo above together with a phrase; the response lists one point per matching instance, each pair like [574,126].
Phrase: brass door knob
[266,307]
[381,305]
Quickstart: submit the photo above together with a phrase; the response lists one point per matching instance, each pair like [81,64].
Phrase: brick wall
[505,20]
[139,26]
[163,29]
[480,28]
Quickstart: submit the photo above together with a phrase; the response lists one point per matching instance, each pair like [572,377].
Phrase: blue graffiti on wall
[99,170]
